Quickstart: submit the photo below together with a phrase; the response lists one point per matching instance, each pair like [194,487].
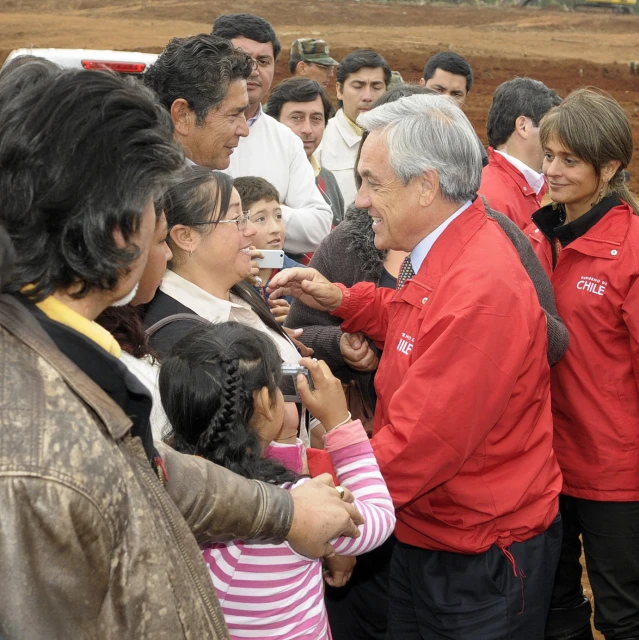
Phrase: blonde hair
[596,129]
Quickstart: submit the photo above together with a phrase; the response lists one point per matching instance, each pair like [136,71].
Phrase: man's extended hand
[320,516]
[357,352]
[308,285]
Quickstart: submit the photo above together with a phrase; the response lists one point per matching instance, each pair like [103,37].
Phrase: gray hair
[430,132]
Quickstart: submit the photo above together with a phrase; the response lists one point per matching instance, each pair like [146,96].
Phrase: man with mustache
[271,151]
[201,82]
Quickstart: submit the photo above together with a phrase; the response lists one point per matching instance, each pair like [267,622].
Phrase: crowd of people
[408,428]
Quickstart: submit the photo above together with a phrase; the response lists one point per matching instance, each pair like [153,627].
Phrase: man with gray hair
[463,428]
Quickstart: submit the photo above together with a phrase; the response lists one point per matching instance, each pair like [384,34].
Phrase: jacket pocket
[624,426]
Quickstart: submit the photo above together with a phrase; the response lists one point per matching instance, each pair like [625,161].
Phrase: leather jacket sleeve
[219,505]
[55,548]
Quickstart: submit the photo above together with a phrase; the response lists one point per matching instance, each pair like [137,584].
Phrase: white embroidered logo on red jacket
[406,344]
[593,285]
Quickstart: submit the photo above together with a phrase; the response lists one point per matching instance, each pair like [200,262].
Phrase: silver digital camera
[292,370]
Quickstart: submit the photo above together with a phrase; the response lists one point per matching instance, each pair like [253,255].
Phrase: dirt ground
[564,49]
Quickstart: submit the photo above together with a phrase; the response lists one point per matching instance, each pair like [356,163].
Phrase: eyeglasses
[241,222]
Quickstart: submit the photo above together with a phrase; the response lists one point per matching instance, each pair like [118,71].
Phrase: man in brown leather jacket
[100,526]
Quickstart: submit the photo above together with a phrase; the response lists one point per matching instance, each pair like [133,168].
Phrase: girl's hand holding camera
[327,401]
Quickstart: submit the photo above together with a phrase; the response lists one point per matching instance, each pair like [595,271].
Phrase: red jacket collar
[450,244]
[499,162]
[604,238]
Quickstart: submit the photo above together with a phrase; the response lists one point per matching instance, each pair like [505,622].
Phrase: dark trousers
[359,610]
[438,595]
[610,533]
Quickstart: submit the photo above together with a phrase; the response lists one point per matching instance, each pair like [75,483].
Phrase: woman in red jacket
[588,242]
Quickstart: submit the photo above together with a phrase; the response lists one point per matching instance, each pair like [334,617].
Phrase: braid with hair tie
[231,388]
[208,398]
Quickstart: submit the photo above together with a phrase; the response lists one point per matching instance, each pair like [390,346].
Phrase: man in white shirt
[362,77]
[271,150]
[201,82]
[304,107]
[512,181]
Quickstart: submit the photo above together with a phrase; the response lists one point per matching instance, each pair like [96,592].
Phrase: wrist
[287,439]
[339,298]
[338,423]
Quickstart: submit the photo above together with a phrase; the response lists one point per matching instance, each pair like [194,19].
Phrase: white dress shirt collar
[534,179]
[251,121]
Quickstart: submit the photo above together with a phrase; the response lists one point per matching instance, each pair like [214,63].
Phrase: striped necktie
[405,273]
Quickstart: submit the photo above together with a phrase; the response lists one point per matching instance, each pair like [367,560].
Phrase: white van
[126,62]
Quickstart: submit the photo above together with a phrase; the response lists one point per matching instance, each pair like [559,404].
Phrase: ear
[338,89]
[300,68]
[186,238]
[422,82]
[523,126]
[119,238]
[609,169]
[182,116]
[428,187]
[262,405]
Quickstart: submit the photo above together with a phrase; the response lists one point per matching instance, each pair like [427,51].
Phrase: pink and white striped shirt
[270,591]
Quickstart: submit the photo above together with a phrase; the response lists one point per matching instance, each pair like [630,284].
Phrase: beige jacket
[92,545]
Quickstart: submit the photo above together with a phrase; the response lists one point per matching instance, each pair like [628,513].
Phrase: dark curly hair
[82,153]
[198,69]
[207,385]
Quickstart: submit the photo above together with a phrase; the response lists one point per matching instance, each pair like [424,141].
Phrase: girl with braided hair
[220,388]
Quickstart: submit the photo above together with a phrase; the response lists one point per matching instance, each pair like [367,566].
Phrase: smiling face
[159,255]
[143,240]
[224,250]
[211,143]
[261,79]
[571,181]
[394,207]
[360,90]
[448,84]
[266,216]
[307,121]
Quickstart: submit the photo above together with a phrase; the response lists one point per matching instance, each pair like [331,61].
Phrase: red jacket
[463,427]
[507,191]
[595,388]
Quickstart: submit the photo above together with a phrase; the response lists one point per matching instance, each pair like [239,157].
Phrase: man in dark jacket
[100,525]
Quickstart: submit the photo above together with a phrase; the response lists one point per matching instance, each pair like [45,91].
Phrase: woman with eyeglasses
[211,239]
